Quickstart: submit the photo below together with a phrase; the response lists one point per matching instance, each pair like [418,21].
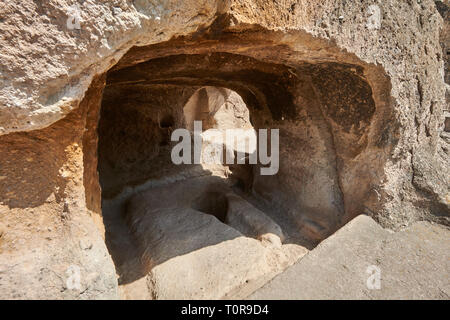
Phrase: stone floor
[195,239]
[412,264]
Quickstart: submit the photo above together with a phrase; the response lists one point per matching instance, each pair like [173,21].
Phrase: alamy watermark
[73,281]
[74,20]
[231,146]
[373,282]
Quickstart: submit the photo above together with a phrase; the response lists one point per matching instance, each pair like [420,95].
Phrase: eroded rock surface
[412,264]
[90,93]
[207,243]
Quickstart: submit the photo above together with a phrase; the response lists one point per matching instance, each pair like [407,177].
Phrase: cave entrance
[140,182]
[152,208]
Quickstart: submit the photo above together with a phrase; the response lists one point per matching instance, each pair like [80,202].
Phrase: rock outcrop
[364,261]
[90,92]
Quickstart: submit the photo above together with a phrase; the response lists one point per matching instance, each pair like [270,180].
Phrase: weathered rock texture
[49,238]
[359,104]
[202,237]
[412,264]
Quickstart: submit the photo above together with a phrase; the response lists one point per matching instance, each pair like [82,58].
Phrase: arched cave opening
[156,213]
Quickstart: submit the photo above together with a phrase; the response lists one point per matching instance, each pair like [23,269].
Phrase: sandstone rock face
[50,247]
[91,92]
[51,51]
[412,264]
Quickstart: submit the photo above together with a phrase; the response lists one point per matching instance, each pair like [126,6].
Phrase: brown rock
[89,97]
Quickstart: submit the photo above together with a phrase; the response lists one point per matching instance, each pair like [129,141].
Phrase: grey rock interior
[324,113]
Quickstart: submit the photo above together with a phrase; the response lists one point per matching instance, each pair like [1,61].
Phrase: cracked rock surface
[90,93]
